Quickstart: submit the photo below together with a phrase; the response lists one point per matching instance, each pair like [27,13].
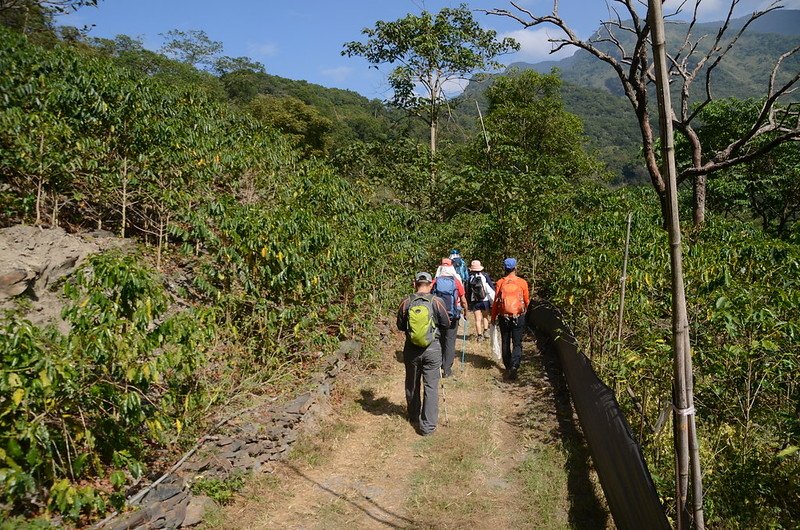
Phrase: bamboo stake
[683,396]
[480,117]
[623,281]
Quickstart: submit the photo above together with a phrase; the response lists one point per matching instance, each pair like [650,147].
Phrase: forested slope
[271,249]
[280,252]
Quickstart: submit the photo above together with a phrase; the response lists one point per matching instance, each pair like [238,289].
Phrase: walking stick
[444,403]
[464,344]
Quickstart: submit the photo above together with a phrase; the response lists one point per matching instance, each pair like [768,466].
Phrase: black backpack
[477,288]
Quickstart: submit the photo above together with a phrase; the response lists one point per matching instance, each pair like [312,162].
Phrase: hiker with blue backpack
[459,265]
[448,286]
[480,295]
[424,318]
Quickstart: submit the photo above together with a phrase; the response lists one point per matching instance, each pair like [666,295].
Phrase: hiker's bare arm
[402,325]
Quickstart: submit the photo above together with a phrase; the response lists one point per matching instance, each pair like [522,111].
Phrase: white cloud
[261,50]
[338,74]
[709,10]
[453,87]
[535,45]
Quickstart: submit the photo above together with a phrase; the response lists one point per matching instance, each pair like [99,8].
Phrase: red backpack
[512,298]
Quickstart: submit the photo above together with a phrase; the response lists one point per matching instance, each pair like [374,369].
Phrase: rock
[161,493]
[223,441]
[198,506]
[289,437]
[15,282]
[298,406]
[349,348]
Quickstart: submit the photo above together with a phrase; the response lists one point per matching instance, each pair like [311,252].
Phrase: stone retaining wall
[250,444]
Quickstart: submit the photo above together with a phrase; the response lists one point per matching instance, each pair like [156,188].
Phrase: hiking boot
[513,374]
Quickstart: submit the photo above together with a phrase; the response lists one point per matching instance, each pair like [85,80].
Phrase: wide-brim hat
[475,266]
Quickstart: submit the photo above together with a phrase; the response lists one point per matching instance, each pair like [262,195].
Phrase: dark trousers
[449,339]
[422,386]
[511,329]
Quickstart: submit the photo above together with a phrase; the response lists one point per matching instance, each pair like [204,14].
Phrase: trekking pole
[464,344]
[444,403]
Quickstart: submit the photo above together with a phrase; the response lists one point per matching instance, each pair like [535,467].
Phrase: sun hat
[446,262]
[510,264]
[475,266]
[423,277]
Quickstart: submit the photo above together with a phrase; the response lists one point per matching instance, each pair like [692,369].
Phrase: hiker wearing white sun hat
[480,294]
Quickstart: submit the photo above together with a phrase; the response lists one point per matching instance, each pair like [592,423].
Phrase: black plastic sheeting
[617,457]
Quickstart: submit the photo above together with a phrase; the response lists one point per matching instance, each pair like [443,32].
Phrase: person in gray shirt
[423,317]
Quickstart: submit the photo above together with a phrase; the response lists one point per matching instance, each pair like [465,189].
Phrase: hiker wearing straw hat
[480,294]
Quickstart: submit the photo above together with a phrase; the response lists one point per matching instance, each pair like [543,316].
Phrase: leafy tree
[191,47]
[36,16]
[226,65]
[530,131]
[303,123]
[430,51]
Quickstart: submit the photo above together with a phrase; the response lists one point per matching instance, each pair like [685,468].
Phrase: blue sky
[303,39]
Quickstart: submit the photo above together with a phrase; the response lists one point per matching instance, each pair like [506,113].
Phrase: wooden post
[124,197]
[623,281]
[683,395]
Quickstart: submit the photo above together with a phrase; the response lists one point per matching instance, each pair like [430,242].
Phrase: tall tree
[193,47]
[430,51]
[695,60]
[529,129]
[36,15]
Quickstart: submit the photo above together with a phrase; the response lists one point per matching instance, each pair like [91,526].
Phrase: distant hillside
[592,90]
[743,73]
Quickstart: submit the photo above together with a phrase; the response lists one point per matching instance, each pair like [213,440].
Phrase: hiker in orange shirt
[510,304]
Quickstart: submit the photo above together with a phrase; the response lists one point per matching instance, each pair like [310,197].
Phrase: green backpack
[421,328]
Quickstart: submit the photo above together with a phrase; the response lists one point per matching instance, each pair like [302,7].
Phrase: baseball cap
[423,277]
[446,262]
[510,264]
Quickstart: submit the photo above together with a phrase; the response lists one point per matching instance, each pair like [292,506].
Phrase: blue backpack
[446,289]
[461,269]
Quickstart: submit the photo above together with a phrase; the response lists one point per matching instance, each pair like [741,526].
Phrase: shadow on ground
[542,371]
[371,509]
[379,406]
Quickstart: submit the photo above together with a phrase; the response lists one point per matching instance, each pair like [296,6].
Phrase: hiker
[480,294]
[424,318]
[448,286]
[459,265]
[510,304]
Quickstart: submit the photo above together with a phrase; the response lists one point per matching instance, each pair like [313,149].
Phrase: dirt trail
[505,455]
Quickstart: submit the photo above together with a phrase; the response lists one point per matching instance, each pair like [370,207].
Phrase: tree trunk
[682,365]
[699,199]
[39,186]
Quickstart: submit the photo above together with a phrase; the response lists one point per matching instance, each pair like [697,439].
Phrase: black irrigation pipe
[617,456]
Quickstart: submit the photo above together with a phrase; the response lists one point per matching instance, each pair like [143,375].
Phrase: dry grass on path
[505,458]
